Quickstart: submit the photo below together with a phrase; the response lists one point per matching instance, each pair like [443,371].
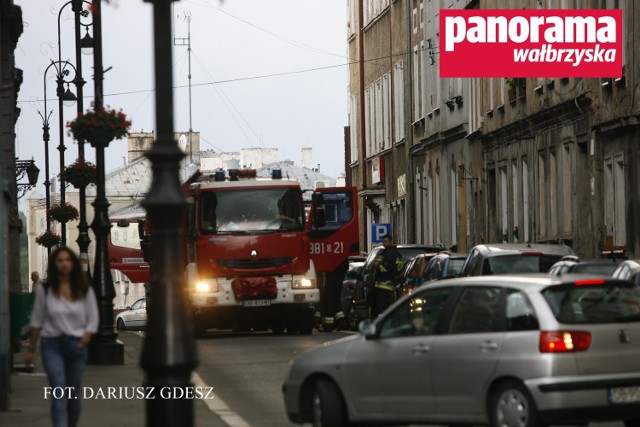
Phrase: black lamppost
[86,43]
[62,70]
[169,353]
[104,349]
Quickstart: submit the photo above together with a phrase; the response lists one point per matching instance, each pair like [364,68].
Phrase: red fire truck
[254,256]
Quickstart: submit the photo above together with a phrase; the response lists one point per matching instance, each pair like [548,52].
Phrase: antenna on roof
[186,41]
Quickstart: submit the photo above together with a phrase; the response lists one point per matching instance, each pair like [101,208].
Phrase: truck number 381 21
[319,248]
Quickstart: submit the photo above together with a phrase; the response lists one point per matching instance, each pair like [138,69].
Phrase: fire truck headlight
[203,287]
[304,283]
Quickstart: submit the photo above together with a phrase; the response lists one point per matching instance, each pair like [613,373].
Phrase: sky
[232,41]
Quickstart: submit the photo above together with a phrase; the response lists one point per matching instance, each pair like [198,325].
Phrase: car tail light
[587,282]
[564,341]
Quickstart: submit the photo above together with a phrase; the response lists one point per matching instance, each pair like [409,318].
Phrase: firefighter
[388,265]
[329,315]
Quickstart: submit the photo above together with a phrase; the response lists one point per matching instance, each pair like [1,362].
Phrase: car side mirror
[127,308]
[367,278]
[368,329]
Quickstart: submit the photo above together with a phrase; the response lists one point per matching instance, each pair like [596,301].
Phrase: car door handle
[489,346]
[420,349]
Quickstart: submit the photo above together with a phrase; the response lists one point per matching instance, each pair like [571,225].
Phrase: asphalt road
[247,371]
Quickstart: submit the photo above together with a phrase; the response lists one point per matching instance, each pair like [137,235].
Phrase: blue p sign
[378,231]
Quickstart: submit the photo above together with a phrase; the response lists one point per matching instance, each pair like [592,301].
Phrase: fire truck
[255,256]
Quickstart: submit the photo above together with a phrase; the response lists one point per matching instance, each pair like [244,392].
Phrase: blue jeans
[64,364]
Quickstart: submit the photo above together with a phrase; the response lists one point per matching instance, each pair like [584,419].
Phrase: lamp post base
[106,352]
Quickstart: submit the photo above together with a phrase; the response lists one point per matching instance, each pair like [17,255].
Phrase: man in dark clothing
[389,264]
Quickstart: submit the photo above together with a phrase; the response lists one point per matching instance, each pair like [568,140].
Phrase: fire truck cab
[248,259]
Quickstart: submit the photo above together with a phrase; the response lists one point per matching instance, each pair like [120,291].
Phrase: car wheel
[512,406]
[121,326]
[352,318]
[632,423]
[327,406]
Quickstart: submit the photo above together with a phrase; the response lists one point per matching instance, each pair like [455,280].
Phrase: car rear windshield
[599,269]
[594,303]
[519,263]
[455,266]
[409,253]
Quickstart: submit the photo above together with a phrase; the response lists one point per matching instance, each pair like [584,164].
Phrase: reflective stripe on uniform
[384,286]
[328,320]
[339,315]
[318,314]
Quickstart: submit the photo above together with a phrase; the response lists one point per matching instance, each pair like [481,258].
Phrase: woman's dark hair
[78,280]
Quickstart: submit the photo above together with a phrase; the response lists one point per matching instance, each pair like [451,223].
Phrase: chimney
[307,158]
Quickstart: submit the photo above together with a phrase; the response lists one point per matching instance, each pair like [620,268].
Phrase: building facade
[491,160]
[10,223]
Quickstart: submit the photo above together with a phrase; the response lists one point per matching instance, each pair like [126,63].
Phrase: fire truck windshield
[252,210]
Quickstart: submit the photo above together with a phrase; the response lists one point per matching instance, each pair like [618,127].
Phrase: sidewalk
[28,407]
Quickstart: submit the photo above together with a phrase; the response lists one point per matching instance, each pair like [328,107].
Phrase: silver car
[506,351]
[134,317]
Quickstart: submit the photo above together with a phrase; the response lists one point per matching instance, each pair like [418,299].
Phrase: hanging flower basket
[80,174]
[100,127]
[48,239]
[63,213]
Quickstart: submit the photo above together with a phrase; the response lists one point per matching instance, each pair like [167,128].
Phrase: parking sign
[378,231]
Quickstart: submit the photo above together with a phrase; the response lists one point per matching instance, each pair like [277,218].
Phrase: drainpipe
[363,142]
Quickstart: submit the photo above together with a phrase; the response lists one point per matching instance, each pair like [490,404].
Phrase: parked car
[506,350]
[628,270]
[445,265]
[512,258]
[412,273]
[596,267]
[134,317]
[349,283]
[358,308]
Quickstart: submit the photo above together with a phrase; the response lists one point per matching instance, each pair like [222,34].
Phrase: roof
[307,177]
[127,212]
[524,282]
[247,183]
[512,248]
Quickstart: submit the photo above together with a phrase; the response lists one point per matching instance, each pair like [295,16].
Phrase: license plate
[624,394]
[256,303]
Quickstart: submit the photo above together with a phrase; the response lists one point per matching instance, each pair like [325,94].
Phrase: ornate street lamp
[169,353]
[28,168]
[104,349]
[62,69]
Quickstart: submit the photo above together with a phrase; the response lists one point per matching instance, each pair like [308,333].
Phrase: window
[553,195]
[510,264]
[434,269]
[386,112]
[373,8]
[430,233]
[398,101]
[417,84]
[519,314]
[338,208]
[353,127]
[251,211]
[525,200]
[454,206]
[477,311]
[126,237]
[615,199]
[379,112]
[594,303]
[515,201]
[567,190]
[503,203]
[367,118]
[436,196]
[351,13]
[417,316]
[542,197]
[138,304]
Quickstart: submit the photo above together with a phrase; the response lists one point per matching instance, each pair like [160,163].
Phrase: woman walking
[66,312]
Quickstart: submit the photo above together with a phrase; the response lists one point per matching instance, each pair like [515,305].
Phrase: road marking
[218,407]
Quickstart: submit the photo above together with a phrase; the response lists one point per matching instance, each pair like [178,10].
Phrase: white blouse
[58,316]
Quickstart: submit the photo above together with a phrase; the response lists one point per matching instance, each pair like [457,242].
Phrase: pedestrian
[389,265]
[66,312]
[35,280]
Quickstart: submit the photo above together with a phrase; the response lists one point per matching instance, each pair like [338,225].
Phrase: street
[247,371]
